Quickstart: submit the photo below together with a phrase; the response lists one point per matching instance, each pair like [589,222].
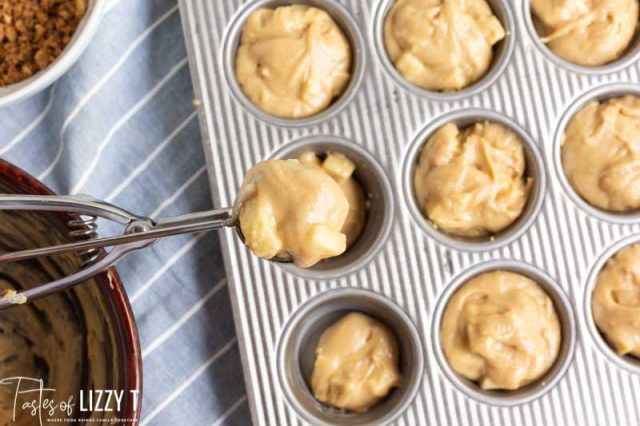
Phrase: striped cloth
[121,126]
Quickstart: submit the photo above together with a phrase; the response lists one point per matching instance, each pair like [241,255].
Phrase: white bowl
[44,78]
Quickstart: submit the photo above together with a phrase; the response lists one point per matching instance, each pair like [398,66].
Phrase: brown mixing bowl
[83,339]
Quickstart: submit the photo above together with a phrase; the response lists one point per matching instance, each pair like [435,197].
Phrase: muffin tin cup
[599,93]
[296,355]
[502,53]
[535,169]
[535,389]
[344,20]
[632,53]
[626,362]
[373,179]
[395,263]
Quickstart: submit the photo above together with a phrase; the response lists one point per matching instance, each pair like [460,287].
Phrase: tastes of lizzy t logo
[32,398]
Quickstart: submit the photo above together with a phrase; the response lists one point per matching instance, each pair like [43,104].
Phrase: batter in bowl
[472,182]
[586,32]
[63,339]
[501,330]
[356,363]
[293,61]
[601,153]
[615,301]
[442,45]
[38,341]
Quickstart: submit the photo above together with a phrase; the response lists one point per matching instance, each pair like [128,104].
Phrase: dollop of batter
[601,153]
[471,183]
[501,330]
[293,61]
[356,363]
[292,211]
[341,169]
[442,45]
[586,32]
[615,301]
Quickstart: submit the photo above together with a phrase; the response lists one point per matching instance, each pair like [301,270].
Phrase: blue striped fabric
[121,126]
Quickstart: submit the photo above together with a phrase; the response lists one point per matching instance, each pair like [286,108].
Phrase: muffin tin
[412,270]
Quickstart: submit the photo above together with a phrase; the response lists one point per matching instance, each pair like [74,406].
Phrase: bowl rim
[568,346]
[359,57]
[44,78]
[111,287]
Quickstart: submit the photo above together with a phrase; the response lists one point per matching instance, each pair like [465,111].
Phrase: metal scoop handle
[140,232]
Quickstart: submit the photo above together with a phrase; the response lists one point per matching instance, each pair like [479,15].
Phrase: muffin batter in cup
[442,45]
[356,363]
[293,61]
[586,32]
[601,153]
[501,330]
[615,301]
[471,182]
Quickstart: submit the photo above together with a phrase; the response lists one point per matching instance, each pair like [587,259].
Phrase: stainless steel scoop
[139,232]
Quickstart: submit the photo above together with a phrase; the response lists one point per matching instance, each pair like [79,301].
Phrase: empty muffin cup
[534,170]
[600,93]
[631,54]
[626,362]
[344,20]
[377,189]
[502,52]
[296,355]
[567,326]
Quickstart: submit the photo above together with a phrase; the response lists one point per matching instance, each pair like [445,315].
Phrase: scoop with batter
[615,301]
[356,363]
[586,32]
[293,61]
[442,45]
[304,210]
[501,330]
[601,153]
[471,182]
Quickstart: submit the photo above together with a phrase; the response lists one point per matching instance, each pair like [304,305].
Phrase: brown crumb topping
[33,33]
